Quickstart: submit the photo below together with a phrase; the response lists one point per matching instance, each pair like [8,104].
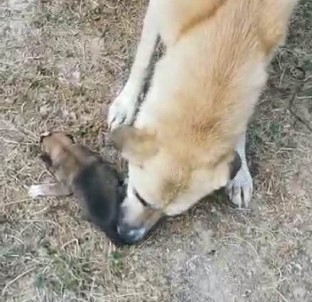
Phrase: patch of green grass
[274,131]
[63,272]
[117,261]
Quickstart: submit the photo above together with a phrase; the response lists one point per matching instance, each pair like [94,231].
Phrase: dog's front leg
[240,188]
[123,109]
[54,189]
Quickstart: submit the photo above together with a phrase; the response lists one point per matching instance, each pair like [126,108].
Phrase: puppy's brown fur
[79,171]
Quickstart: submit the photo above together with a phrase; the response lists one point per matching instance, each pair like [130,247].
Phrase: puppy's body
[201,98]
[81,172]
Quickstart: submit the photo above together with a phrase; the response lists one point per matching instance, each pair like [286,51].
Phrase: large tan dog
[203,93]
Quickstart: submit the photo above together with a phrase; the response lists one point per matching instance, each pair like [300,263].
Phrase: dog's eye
[142,200]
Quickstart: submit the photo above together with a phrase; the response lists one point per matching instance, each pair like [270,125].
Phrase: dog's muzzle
[130,235]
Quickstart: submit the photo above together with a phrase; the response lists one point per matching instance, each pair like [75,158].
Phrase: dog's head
[52,145]
[165,180]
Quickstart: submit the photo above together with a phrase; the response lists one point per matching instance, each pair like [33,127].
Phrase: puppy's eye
[71,137]
[46,159]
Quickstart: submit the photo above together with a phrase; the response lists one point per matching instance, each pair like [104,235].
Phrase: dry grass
[61,63]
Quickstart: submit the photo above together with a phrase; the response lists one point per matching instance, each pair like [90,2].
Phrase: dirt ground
[61,63]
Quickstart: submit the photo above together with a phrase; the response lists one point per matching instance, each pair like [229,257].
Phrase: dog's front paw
[240,188]
[122,110]
[35,191]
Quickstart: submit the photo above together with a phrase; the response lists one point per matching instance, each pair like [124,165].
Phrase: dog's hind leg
[240,188]
[124,107]
[54,189]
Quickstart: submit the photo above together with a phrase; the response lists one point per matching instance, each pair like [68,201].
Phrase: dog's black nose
[129,234]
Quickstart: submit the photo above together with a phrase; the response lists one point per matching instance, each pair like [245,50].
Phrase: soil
[61,64]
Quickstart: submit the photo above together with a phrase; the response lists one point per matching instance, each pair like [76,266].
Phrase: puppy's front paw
[240,188]
[122,110]
[35,191]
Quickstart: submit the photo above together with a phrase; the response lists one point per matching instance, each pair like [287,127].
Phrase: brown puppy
[81,172]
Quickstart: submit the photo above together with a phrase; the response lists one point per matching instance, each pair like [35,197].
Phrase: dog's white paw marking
[122,110]
[240,188]
[35,191]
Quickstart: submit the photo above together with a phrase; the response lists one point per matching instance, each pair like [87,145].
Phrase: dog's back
[176,17]
[214,68]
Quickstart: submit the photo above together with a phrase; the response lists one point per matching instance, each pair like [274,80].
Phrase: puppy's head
[53,144]
[165,179]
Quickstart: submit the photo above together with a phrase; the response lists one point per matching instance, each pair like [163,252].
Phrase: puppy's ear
[235,165]
[136,145]
[46,159]
[44,135]
[71,138]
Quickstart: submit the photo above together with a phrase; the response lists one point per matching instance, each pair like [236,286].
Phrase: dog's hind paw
[240,188]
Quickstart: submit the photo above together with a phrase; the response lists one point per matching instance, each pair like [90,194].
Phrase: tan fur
[67,158]
[201,98]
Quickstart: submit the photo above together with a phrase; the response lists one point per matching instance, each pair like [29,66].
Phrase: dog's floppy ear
[135,144]
[235,165]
